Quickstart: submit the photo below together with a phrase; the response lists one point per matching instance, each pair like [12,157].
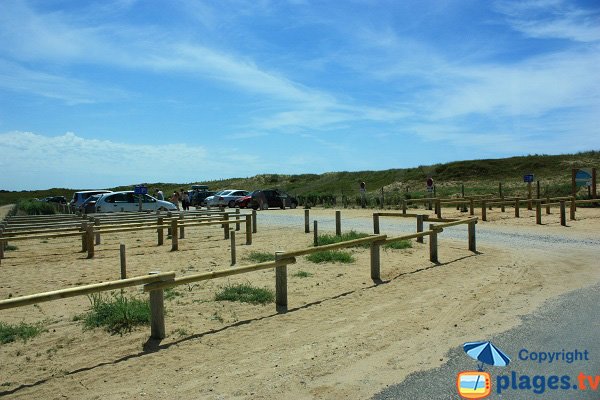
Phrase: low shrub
[325,239]
[331,256]
[245,293]
[260,257]
[117,314]
[398,245]
[10,333]
[302,274]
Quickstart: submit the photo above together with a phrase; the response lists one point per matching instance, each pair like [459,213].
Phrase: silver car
[129,201]
[225,198]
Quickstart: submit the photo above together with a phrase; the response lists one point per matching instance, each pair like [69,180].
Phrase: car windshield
[92,198]
[219,192]
[226,193]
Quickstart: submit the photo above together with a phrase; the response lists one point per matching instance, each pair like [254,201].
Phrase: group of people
[177,196]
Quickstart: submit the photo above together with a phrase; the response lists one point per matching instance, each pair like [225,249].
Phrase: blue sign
[528,178]
[140,189]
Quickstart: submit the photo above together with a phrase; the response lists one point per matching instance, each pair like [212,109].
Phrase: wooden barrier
[433,246]
[84,290]
[233,255]
[420,219]
[563,219]
[338,223]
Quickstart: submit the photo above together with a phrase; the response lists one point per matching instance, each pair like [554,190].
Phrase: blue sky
[102,93]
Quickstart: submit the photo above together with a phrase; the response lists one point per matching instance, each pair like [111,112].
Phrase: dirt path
[344,337]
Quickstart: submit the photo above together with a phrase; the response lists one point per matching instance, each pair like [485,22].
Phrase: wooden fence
[155,283]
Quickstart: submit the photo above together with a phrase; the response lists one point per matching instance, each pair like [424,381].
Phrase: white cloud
[29,159]
[552,19]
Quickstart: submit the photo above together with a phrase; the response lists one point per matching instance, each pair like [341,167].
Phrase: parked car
[198,195]
[263,199]
[56,199]
[89,205]
[225,198]
[129,201]
[243,202]
[79,197]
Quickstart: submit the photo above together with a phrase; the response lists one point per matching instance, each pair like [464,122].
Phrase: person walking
[175,199]
[363,195]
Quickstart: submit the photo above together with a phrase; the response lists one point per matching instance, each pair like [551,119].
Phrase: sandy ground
[343,337]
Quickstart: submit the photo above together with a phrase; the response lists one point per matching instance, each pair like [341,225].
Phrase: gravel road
[492,235]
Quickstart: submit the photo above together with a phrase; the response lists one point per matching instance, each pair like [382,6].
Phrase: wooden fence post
[563,217]
[174,239]
[403,206]
[83,230]
[315,233]
[438,206]
[547,205]
[123,258]
[306,221]
[538,211]
[160,231]
[232,236]
[573,208]
[471,206]
[472,239]
[338,223]
[248,230]
[376,223]
[157,310]
[237,217]
[433,247]
[181,228]
[375,261]
[281,301]
[517,205]
[89,236]
[226,226]
[254,225]
[483,211]
[97,224]
[169,229]
[420,227]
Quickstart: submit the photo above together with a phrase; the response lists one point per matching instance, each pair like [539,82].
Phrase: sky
[96,94]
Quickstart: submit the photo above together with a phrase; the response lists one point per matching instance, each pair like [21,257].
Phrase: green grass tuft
[398,245]
[302,274]
[260,257]
[10,247]
[326,239]
[118,314]
[331,256]
[9,333]
[245,293]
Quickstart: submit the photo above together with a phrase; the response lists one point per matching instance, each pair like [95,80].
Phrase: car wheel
[231,204]
[293,205]
[264,206]
[255,206]
[162,209]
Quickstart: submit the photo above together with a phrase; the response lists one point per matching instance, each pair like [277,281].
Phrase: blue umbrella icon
[487,353]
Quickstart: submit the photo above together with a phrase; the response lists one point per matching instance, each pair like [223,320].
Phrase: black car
[263,199]
[56,199]
[197,197]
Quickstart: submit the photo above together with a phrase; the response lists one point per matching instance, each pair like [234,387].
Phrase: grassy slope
[479,176]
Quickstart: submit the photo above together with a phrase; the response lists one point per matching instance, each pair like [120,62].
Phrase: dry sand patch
[343,337]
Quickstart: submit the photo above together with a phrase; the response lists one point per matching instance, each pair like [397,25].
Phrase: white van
[80,197]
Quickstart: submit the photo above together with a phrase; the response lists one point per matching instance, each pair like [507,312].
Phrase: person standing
[159,194]
[175,199]
[185,200]
[363,195]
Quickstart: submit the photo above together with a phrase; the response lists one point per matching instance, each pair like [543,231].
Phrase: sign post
[140,190]
[584,177]
[528,179]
